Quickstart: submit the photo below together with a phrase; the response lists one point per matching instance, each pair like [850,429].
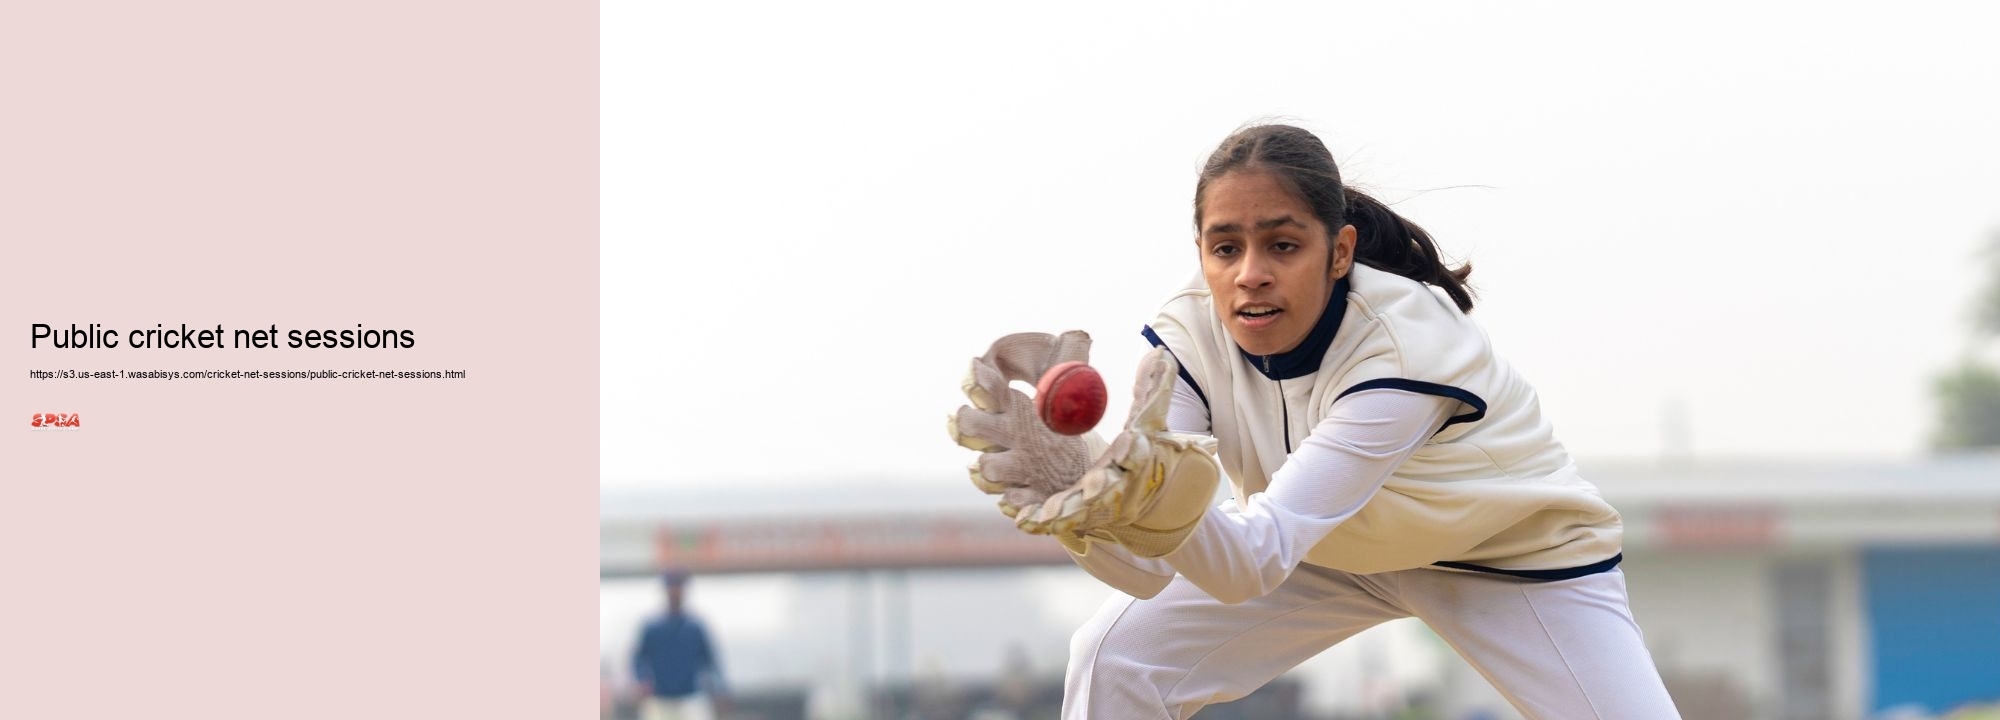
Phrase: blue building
[1790,590]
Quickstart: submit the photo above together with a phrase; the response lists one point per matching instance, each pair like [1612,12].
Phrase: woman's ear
[1343,252]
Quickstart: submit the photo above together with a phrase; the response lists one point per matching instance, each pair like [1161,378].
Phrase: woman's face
[1266,259]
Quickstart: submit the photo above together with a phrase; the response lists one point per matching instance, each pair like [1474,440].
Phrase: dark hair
[1386,241]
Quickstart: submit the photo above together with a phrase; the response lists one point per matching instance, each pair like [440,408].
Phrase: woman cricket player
[1386,464]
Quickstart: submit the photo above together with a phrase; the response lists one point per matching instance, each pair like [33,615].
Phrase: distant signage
[1718,526]
[779,546]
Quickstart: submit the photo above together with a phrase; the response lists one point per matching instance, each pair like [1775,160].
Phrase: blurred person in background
[675,664]
[1386,462]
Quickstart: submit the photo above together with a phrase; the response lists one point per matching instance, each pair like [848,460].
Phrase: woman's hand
[1021,460]
[1146,490]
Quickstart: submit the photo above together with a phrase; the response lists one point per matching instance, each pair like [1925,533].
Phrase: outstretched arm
[1245,550]
[1149,494]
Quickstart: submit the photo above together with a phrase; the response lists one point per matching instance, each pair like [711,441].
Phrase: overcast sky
[814,215]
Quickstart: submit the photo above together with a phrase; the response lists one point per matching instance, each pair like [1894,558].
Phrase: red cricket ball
[1070,398]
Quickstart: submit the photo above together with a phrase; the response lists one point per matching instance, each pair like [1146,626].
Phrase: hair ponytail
[1386,241]
[1390,243]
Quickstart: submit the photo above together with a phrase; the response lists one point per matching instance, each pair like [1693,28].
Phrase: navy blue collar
[1305,359]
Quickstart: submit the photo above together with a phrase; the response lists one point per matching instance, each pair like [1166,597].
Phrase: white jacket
[1491,491]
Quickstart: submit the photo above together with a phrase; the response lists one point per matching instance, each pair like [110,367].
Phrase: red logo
[57,420]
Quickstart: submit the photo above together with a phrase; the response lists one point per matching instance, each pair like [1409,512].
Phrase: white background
[1763,219]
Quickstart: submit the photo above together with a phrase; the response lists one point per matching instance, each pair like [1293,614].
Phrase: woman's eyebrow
[1261,224]
[1276,221]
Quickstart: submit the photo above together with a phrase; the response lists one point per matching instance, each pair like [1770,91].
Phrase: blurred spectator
[675,664]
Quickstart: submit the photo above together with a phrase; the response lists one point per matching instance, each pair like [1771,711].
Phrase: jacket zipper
[1284,407]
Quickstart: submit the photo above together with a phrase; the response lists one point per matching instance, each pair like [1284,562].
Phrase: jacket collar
[1305,359]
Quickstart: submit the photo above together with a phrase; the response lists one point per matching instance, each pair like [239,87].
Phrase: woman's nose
[1255,272]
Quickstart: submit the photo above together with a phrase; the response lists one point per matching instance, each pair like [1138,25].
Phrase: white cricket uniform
[1391,466]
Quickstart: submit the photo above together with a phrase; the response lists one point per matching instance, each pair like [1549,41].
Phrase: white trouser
[1557,650]
[692,707]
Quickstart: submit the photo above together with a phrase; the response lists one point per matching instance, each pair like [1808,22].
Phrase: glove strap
[1154,543]
[1176,490]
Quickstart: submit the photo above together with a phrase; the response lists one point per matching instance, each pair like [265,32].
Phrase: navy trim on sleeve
[1557,574]
[1154,338]
[1426,388]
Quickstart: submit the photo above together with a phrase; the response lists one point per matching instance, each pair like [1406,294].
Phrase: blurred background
[1750,257]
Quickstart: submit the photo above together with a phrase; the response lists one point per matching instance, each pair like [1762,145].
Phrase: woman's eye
[1224,250]
[1285,246]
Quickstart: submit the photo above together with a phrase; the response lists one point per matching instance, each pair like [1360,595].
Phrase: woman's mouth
[1256,317]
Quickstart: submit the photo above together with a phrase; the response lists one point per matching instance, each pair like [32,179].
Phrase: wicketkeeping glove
[1146,490]
[1021,460]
